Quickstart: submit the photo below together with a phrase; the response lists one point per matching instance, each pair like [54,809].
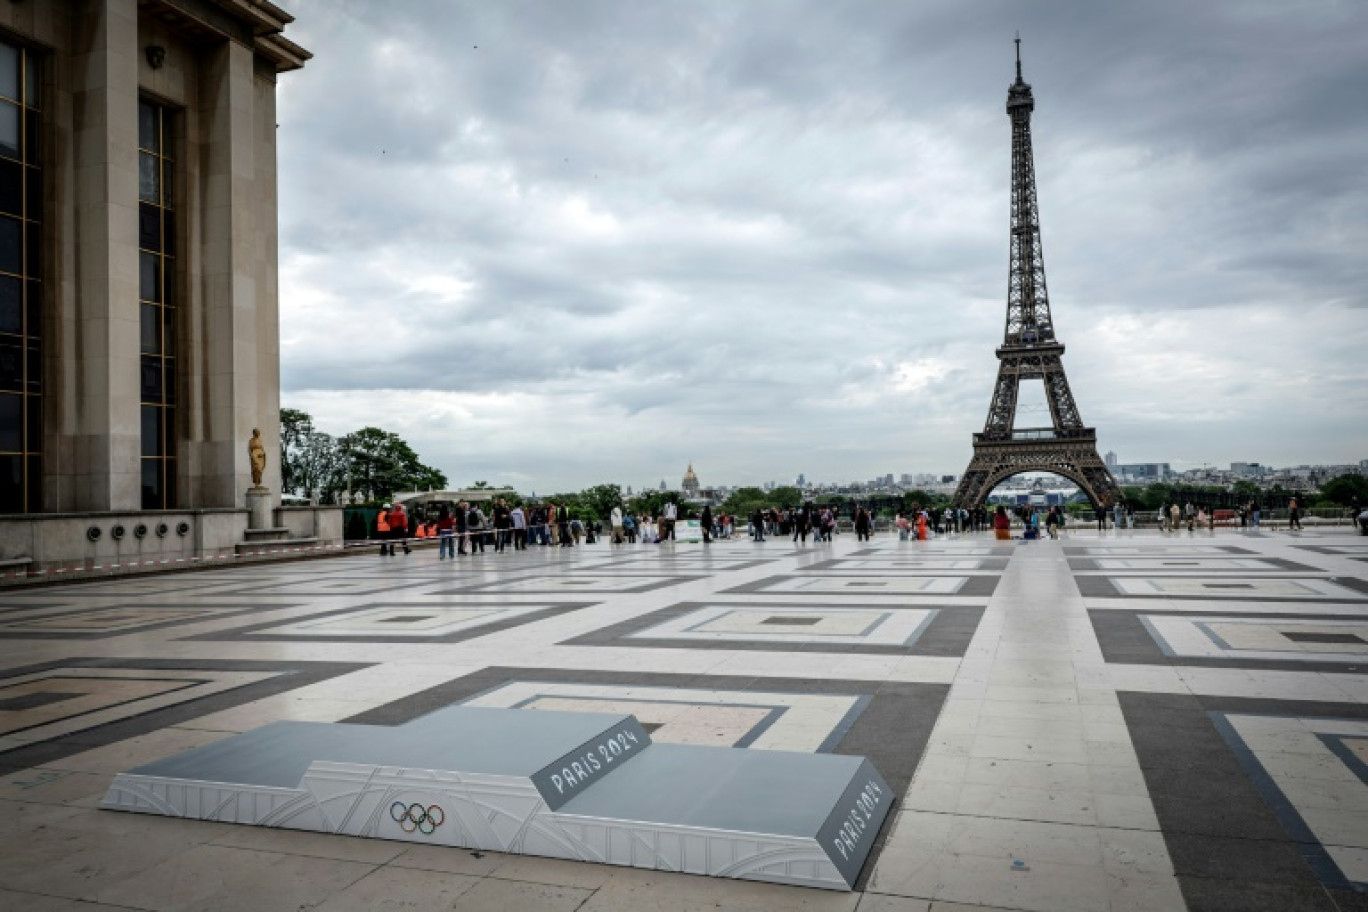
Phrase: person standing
[541,523]
[503,521]
[563,527]
[398,520]
[446,535]
[519,520]
[1118,516]
[705,521]
[1293,515]
[667,521]
[861,524]
[615,520]
[475,525]
[382,530]
[629,527]
[458,518]
[757,521]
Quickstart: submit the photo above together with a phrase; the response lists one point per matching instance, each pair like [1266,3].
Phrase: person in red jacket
[1002,524]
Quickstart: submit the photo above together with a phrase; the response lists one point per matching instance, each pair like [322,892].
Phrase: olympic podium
[581,786]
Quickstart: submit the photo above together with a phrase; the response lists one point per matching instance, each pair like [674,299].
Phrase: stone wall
[91,544]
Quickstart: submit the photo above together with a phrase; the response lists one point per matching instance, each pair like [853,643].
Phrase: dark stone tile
[36,700]
[1205,895]
[1244,860]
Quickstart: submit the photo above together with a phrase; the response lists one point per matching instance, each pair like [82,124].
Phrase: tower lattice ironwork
[1030,351]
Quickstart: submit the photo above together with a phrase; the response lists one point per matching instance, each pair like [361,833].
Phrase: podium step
[582,786]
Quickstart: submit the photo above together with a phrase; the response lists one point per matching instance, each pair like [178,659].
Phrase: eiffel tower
[1030,351]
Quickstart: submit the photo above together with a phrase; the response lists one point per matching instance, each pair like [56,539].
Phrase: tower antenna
[1018,55]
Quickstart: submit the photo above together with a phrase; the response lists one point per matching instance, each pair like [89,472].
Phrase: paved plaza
[1114,721]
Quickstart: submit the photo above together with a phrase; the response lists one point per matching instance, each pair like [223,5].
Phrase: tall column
[235,342]
[99,434]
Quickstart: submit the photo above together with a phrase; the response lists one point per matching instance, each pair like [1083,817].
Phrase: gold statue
[257,453]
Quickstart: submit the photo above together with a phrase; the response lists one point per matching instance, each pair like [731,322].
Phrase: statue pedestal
[259,505]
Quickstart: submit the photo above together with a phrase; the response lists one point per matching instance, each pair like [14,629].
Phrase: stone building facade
[139,340]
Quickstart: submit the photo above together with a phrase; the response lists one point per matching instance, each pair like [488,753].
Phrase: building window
[157,304]
[21,290]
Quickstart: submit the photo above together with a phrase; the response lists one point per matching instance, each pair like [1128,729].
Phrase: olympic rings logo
[415,817]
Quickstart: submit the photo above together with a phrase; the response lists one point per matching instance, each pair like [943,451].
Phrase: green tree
[1342,489]
[1150,497]
[743,501]
[598,502]
[380,463]
[919,498]
[295,427]
[310,460]
[786,496]
[652,503]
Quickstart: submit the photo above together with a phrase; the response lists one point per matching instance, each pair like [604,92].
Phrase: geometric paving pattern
[1263,803]
[1143,721]
[1292,642]
[575,584]
[802,627]
[53,710]
[405,622]
[1240,565]
[98,623]
[881,584]
[1255,589]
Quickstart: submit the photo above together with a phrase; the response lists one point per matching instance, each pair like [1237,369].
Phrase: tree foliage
[371,461]
[1342,489]
[598,502]
[652,503]
[379,463]
[310,460]
[744,501]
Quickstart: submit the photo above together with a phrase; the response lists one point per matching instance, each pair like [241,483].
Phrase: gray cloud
[771,237]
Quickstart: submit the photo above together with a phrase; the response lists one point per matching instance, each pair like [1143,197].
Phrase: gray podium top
[757,791]
[467,739]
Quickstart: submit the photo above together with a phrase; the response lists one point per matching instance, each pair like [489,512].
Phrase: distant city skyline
[554,245]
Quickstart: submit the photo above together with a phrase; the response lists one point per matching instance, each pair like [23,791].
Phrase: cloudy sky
[559,243]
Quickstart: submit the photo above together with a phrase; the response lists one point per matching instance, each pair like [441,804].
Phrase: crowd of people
[471,528]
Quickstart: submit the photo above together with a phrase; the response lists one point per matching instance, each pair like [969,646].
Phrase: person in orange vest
[382,529]
[398,520]
[921,526]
